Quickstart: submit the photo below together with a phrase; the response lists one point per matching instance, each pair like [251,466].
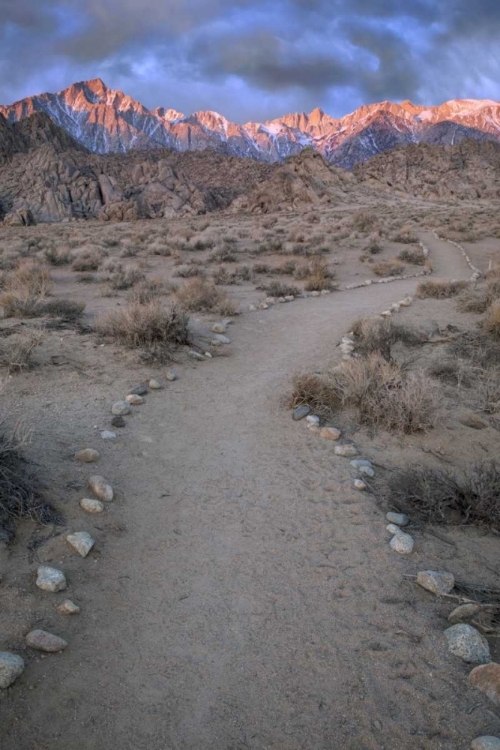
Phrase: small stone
[486,678]
[11,667]
[87,456]
[360,485]
[101,488]
[301,412]
[346,450]
[89,505]
[120,408]
[134,400]
[252,308]
[170,375]
[367,471]
[108,435]
[386,314]
[289,298]
[468,643]
[402,543]
[50,579]
[270,300]
[314,428]
[139,390]
[208,355]
[43,641]
[393,529]
[219,328]
[315,294]
[400,519]
[282,300]
[474,422]
[220,339]
[438,582]
[196,355]
[155,385]
[330,433]
[359,462]
[325,291]
[117,422]
[463,612]
[485,743]
[263,306]
[312,419]
[68,608]
[81,541]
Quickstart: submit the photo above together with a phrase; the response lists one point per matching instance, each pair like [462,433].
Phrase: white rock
[196,355]
[400,519]
[438,582]
[325,291]
[346,450]
[134,399]
[170,375]
[402,543]
[252,308]
[208,355]
[404,303]
[357,463]
[120,408]
[314,428]
[395,307]
[220,339]
[393,529]
[50,579]
[487,742]
[468,643]
[312,419]
[155,385]
[270,300]
[68,608]
[108,435]
[81,541]
[43,641]
[386,314]
[11,667]
[89,505]
[282,300]
[367,471]
[87,456]
[219,328]
[360,485]
[101,488]
[289,298]
[315,294]
[263,306]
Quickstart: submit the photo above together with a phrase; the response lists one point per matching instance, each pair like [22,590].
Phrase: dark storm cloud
[254,56]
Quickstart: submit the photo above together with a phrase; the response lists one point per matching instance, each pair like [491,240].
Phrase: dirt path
[251,601]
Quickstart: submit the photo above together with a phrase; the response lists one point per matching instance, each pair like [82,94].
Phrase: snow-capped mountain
[104,120]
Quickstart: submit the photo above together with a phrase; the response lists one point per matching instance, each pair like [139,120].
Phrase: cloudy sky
[254,59]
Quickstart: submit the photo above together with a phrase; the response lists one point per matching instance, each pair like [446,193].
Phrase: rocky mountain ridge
[107,121]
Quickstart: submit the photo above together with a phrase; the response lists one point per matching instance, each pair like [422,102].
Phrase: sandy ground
[241,594]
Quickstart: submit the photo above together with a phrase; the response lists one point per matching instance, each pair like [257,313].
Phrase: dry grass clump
[16,349]
[87,260]
[57,256]
[405,236]
[445,497]
[376,335]
[413,255]
[365,222]
[155,329]
[374,247]
[488,390]
[440,289]
[189,272]
[478,349]
[491,322]
[387,268]
[319,277]
[224,254]
[279,289]
[469,301]
[125,278]
[240,275]
[25,288]
[383,393]
[20,495]
[201,295]
[148,290]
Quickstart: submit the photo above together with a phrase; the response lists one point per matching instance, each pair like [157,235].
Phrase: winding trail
[252,601]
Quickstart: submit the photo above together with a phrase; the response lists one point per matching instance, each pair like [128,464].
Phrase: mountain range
[107,121]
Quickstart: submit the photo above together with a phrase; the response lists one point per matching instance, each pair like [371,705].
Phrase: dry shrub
[201,295]
[387,396]
[60,256]
[488,390]
[161,248]
[20,495]
[17,348]
[440,289]
[87,260]
[319,277]
[384,394]
[238,276]
[477,349]
[387,268]
[278,289]
[189,272]
[315,391]
[375,335]
[365,222]
[374,247]
[469,301]
[413,255]
[405,236]
[491,322]
[492,291]
[262,268]
[24,289]
[493,273]
[445,497]
[125,278]
[224,254]
[155,329]
[148,290]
